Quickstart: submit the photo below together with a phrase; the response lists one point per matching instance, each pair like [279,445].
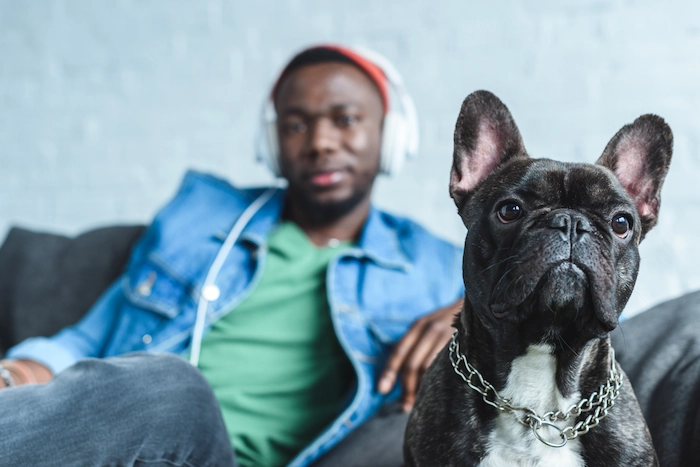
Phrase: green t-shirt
[274,362]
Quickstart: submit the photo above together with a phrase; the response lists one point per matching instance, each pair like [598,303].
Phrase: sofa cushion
[49,281]
[660,352]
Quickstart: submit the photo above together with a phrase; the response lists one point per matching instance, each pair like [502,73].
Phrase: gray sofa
[49,281]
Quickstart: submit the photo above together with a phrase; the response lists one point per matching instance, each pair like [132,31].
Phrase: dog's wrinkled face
[555,238]
[552,240]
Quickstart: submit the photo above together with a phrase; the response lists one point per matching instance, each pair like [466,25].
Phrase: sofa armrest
[50,281]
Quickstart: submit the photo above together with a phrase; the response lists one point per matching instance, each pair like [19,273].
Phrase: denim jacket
[396,273]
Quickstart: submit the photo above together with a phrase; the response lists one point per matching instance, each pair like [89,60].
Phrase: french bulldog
[550,260]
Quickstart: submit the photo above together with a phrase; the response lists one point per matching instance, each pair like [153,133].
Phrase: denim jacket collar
[378,242]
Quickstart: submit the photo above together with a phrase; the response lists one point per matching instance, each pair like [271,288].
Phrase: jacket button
[146,339]
[210,292]
[144,288]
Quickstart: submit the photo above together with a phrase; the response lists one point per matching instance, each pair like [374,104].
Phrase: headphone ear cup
[268,144]
[273,153]
[394,138]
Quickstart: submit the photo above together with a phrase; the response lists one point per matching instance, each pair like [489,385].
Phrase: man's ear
[485,136]
[639,156]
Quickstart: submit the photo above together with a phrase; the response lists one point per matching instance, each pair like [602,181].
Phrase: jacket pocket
[155,287]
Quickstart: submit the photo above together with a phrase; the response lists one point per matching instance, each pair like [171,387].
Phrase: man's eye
[345,120]
[293,127]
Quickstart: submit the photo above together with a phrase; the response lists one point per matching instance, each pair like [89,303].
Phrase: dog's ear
[639,156]
[485,136]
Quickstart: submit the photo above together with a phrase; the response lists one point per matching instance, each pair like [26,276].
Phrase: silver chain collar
[599,402]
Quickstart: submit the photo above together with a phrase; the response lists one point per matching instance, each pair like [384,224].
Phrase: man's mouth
[327,178]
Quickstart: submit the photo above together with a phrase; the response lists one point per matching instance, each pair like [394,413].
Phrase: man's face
[329,125]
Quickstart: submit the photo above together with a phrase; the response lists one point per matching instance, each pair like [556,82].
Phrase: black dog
[550,260]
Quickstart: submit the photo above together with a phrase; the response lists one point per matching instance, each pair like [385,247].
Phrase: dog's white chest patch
[531,383]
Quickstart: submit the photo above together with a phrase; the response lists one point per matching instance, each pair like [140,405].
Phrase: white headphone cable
[231,238]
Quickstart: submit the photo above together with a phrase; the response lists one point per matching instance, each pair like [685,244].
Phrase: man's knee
[162,394]
[155,370]
[135,407]
[159,380]
[142,382]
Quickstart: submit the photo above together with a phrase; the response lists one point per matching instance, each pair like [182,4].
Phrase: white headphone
[399,131]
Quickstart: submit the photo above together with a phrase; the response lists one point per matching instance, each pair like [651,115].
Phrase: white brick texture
[104,104]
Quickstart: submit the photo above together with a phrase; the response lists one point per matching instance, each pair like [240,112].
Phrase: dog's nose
[573,225]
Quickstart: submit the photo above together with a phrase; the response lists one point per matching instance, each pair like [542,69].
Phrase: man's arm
[414,353]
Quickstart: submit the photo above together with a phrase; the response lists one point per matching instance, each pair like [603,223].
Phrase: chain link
[599,402]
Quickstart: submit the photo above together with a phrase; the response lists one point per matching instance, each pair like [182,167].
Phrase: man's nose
[324,137]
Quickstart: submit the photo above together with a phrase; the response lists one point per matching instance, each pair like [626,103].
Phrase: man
[291,302]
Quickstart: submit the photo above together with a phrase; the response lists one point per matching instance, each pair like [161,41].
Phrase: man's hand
[415,352]
[25,372]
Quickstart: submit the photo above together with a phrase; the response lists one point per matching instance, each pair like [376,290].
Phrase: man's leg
[376,443]
[659,350]
[140,409]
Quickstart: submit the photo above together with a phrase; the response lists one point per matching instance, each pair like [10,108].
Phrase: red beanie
[336,53]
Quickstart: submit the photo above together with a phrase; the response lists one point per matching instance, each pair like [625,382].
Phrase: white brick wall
[104,104]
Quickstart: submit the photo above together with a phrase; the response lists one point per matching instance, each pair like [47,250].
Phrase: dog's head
[553,240]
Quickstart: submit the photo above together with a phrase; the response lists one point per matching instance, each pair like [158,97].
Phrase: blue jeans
[135,410]
[149,410]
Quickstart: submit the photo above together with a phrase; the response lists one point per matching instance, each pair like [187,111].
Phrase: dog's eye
[509,212]
[621,225]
